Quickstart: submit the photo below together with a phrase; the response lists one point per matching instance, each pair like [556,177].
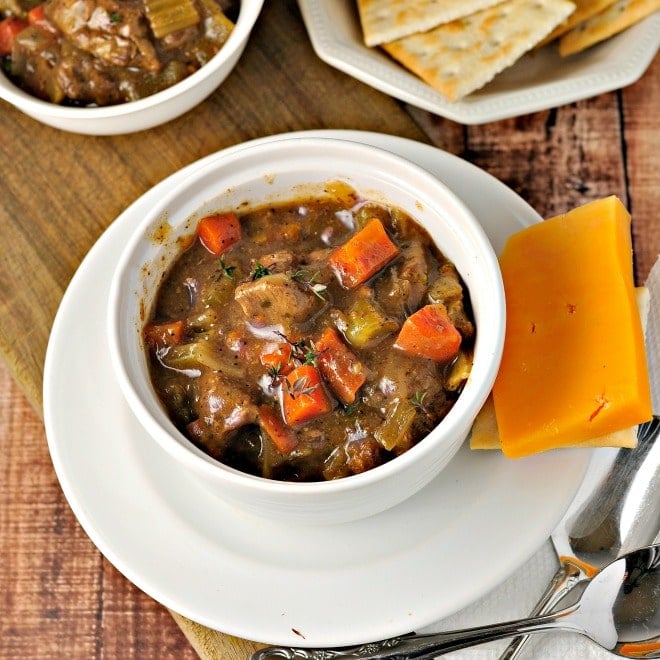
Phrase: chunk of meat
[406,283]
[447,287]
[315,265]
[402,376]
[276,300]
[362,455]
[34,58]
[278,262]
[115,32]
[460,319]
[221,407]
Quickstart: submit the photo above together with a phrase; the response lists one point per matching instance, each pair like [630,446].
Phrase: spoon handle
[425,647]
[564,580]
[568,574]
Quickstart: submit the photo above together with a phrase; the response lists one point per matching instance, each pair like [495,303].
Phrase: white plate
[400,570]
[538,81]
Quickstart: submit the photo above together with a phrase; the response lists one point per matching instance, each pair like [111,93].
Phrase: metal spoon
[615,511]
[619,609]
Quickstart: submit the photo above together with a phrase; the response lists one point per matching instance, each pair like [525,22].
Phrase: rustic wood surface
[59,597]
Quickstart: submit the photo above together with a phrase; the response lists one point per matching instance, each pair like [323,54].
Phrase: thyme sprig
[318,289]
[260,271]
[225,270]
[303,351]
[417,399]
[300,387]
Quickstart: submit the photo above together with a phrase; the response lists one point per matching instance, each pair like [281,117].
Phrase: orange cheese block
[574,363]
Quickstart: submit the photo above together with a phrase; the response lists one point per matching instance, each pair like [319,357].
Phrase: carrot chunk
[271,424]
[340,367]
[278,359]
[9,28]
[162,335]
[219,232]
[36,15]
[363,255]
[429,333]
[303,396]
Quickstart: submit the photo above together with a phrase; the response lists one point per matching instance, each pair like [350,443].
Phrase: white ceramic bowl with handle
[147,112]
[281,170]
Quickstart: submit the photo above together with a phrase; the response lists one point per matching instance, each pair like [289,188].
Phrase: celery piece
[218,292]
[394,430]
[205,320]
[370,211]
[459,372]
[167,16]
[367,325]
[203,353]
[218,26]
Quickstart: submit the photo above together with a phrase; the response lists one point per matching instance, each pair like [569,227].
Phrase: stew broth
[272,355]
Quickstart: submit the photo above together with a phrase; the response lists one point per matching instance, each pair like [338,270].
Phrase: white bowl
[282,170]
[150,111]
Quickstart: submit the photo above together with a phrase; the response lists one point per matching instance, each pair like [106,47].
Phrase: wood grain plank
[60,598]
[642,146]
[557,159]
[561,158]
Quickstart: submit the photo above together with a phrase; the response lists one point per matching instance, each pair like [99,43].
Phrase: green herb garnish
[225,270]
[318,289]
[259,271]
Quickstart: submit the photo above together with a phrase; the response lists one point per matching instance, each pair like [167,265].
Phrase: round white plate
[395,572]
[539,80]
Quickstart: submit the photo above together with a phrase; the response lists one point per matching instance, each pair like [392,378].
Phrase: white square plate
[538,81]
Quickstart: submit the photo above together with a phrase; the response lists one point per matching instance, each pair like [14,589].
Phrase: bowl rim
[248,13]
[180,447]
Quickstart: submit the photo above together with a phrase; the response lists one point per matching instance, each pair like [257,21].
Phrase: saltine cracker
[387,20]
[460,57]
[584,9]
[616,18]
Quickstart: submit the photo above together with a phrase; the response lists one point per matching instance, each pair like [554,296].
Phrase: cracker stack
[613,19]
[457,46]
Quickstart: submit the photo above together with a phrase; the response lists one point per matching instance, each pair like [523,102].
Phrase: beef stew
[311,340]
[106,52]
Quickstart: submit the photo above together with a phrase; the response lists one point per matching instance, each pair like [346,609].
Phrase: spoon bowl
[619,610]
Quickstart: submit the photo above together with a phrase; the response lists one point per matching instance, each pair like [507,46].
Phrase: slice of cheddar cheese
[485,434]
[574,363]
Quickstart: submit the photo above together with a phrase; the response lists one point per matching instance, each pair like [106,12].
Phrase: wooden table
[60,191]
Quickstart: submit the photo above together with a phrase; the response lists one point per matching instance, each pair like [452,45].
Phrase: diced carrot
[9,28]
[219,232]
[303,396]
[363,255]
[162,335]
[36,15]
[278,359]
[339,366]
[271,423]
[429,333]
